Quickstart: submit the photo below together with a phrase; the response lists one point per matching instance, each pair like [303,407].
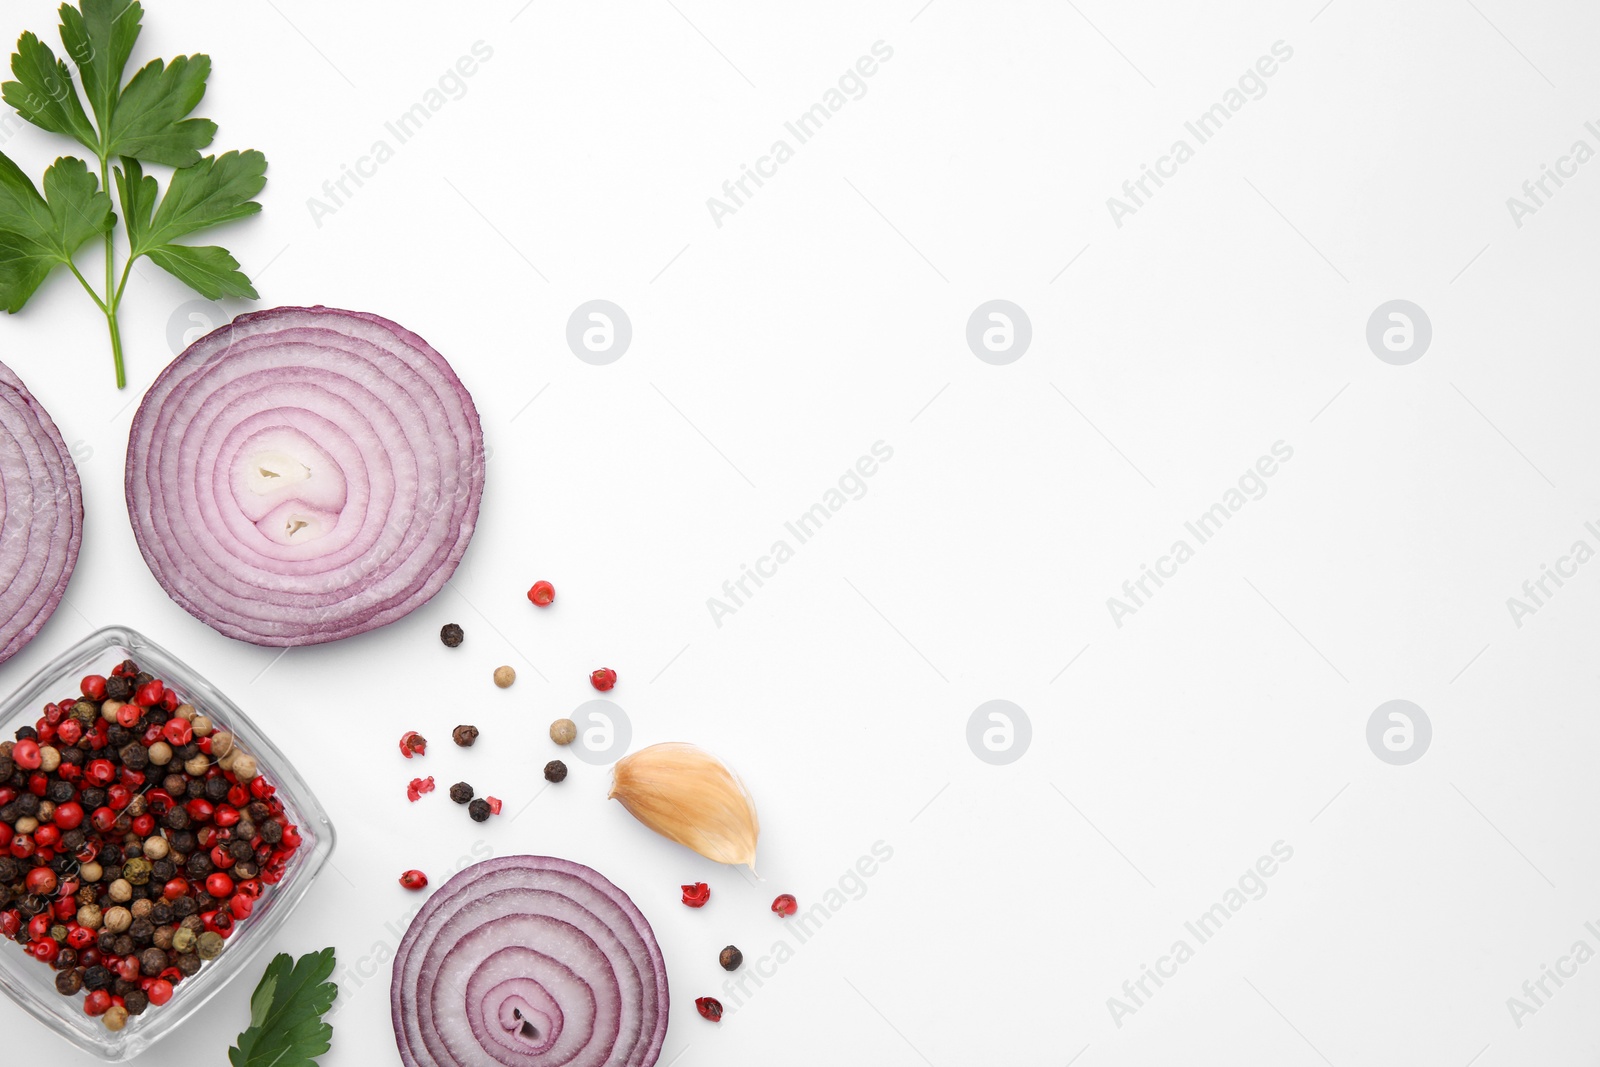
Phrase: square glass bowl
[31,983]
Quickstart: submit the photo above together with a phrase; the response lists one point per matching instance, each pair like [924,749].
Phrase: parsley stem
[86,286]
[113,292]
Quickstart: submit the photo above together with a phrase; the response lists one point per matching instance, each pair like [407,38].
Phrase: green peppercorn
[451,635]
[209,946]
[183,939]
[136,871]
[730,958]
[461,792]
[555,771]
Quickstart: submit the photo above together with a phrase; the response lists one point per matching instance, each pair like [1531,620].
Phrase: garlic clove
[687,795]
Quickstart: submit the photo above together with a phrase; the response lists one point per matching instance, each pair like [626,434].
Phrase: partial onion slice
[305,474]
[41,515]
[529,960]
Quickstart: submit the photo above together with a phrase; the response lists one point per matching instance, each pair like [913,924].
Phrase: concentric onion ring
[528,961]
[41,515]
[304,474]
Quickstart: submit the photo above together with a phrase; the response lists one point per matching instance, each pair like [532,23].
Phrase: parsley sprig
[286,1010]
[146,120]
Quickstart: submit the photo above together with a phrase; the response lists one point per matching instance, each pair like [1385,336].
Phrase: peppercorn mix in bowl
[152,841]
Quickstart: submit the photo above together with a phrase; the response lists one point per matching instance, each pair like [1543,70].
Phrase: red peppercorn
[413,744]
[159,801]
[68,816]
[97,1003]
[102,819]
[25,754]
[696,896]
[219,885]
[238,796]
[221,857]
[93,686]
[65,908]
[128,716]
[414,880]
[144,825]
[47,836]
[69,733]
[44,951]
[418,787]
[149,693]
[200,809]
[291,838]
[603,679]
[38,784]
[39,927]
[542,593]
[240,907]
[99,771]
[159,992]
[128,969]
[41,881]
[10,923]
[174,889]
[118,797]
[785,905]
[170,701]
[250,887]
[495,804]
[178,732]
[709,1008]
[6,834]
[22,846]
[227,816]
[80,938]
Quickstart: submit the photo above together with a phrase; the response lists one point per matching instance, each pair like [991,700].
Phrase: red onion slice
[305,474]
[41,515]
[529,961]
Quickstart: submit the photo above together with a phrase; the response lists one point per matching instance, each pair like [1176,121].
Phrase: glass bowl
[31,983]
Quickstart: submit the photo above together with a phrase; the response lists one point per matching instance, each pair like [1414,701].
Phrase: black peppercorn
[259,813]
[464,735]
[123,986]
[188,963]
[96,977]
[105,941]
[11,812]
[135,756]
[143,677]
[730,958]
[123,945]
[241,850]
[66,959]
[142,931]
[28,804]
[162,871]
[271,832]
[118,688]
[27,733]
[136,1002]
[119,736]
[60,791]
[7,768]
[10,871]
[195,789]
[176,819]
[216,788]
[479,810]
[451,635]
[199,865]
[183,841]
[555,771]
[69,983]
[183,907]
[461,792]
[152,961]
[174,782]
[91,798]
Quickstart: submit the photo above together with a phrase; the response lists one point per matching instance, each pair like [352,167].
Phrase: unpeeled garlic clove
[687,795]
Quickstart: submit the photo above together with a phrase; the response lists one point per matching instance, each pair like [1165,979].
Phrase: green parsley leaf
[39,233]
[45,95]
[149,120]
[286,1010]
[100,38]
[215,190]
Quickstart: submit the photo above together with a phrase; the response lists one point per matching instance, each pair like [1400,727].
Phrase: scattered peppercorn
[542,593]
[451,635]
[730,958]
[461,792]
[413,744]
[504,676]
[785,905]
[709,1008]
[418,787]
[479,810]
[464,736]
[697,895]
[603,679]
[563,731]
[414,880]
[555,771]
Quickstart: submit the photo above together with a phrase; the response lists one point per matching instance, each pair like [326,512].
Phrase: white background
[829,313]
